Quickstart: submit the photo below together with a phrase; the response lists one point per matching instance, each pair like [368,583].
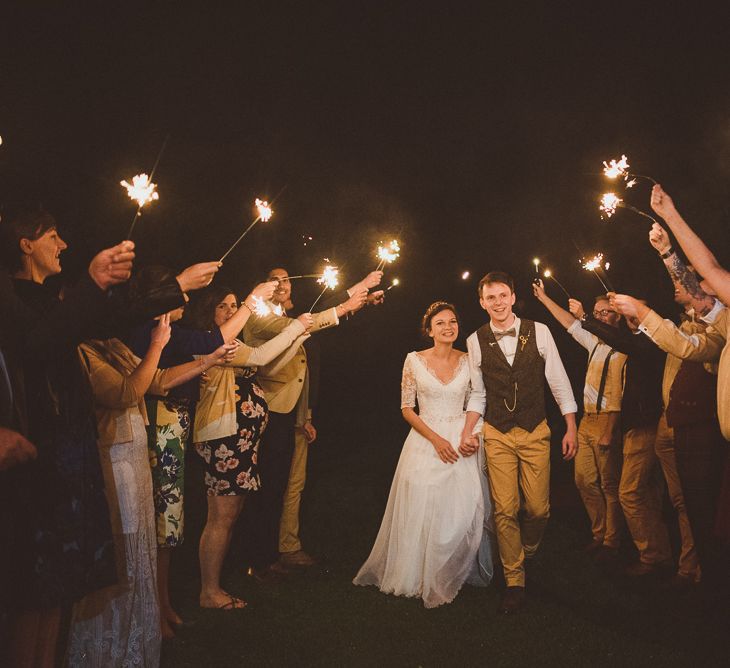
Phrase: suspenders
[604,375]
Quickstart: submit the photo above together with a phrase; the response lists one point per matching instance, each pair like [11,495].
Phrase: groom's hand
[570,444]
[468,445]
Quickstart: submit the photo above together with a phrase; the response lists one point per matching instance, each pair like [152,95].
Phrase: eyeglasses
[605,312]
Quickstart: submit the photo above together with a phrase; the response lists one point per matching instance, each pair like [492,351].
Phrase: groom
[510,359]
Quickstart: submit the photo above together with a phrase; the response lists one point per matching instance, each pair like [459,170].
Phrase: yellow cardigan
[215,414]
[108,365]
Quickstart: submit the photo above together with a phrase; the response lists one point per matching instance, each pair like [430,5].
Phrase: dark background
[475,135]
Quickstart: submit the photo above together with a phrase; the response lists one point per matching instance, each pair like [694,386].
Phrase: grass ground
[576,615]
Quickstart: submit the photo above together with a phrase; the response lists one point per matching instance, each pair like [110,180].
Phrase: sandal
[233,604]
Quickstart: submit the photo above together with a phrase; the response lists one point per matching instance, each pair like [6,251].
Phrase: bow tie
[507,332]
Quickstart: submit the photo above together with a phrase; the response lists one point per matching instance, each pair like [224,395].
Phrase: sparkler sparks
[609,203]
[261,308]
[264,210]
[329,277]
[595,264]
[387,254]
[465,275]
[616,168]
[141,190]
[395,282]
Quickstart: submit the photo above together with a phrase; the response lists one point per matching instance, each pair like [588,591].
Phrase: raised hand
[659,238]
[265,290]
[161,334]
[197,276]
[662,203]
[538,289]
[356,301]
[629,306]
[444,450]
[113,265]
[307,319]
[576,309]
[376,298]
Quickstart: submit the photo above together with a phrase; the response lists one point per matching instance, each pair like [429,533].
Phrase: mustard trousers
[518,464]
[289,525]
[597,476]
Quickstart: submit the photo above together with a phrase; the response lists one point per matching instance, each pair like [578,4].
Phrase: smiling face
[225,309]
[44,253]
[444,327]
[282,294]
[497,299]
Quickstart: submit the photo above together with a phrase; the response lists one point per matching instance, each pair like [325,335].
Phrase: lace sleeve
[408,385]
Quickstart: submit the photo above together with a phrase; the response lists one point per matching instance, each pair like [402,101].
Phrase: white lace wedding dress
[436,532]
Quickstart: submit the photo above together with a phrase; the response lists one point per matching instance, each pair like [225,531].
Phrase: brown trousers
[518,463]
[597,476]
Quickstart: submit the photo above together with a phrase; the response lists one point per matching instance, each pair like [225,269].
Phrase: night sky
[475,136]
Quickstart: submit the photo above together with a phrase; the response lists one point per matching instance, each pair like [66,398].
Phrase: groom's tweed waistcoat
[519,387]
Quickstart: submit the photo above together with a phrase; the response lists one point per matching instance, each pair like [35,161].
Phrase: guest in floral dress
[231,416]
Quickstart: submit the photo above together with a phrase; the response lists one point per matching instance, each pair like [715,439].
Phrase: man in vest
[598,461]
[510,359]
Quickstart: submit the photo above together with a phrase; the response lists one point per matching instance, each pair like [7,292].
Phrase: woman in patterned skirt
[231,416]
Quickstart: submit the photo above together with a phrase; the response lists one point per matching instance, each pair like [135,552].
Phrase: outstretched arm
[558,312]
[699,255]
[679,272]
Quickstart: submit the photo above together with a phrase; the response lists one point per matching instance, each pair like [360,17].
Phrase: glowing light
[329,277]
[465,275]
[616,168]
[389,253]
[547,273]
[141,190]
[607,265]
[594,263]
[609,203]
[265,211]
[396,281]
[261,308]
[631,183]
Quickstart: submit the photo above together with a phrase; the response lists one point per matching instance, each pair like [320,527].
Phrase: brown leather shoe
[268,575]
[297,559]
[513,600]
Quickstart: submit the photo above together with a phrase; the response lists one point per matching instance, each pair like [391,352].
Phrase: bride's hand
[444,450]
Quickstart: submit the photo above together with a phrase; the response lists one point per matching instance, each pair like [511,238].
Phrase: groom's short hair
[496,277]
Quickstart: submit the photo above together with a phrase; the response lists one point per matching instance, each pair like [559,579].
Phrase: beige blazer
[284,381]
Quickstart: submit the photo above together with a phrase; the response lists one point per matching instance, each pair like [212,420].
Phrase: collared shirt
[598,352]
[554,370]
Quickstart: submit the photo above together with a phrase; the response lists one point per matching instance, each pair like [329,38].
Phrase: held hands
[197,276]
[444,450]
[307,319]
[113,265]
[662,203]
[161,334]
[265,290]
[576,309]
[659,238]
[468,445]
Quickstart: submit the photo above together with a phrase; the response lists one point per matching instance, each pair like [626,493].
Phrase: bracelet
[243,303]
[668,253]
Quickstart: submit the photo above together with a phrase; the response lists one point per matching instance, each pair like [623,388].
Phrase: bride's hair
[432,311]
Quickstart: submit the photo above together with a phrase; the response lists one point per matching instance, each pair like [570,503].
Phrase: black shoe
[267,576]
[512,601]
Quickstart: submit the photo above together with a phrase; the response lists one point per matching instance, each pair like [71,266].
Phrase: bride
[435,533]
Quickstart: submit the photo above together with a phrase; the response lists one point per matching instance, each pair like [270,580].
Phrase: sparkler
[595,264]
[387,254]
[610,202]
[264,211]
[616,168]
[395,282]
[465,275]
[536,262]
[329,278]
[549,274]
[142,190]
[260,308]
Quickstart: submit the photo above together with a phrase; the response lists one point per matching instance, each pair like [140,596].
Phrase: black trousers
[262,511]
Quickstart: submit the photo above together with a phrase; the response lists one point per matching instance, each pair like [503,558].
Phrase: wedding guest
[61,549]
[718,279]
[692,413]
[510,359]
[120,625]
[598,460]
[641,407]
[290,545]
[437,531]
[169,422]
[230,418]
[285,388]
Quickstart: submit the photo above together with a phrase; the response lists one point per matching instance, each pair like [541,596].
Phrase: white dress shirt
[554,370]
